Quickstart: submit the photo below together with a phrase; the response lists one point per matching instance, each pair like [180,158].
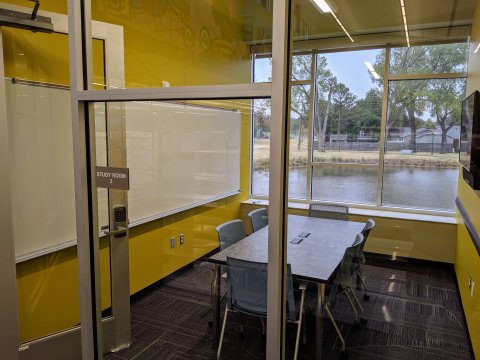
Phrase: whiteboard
[179,156]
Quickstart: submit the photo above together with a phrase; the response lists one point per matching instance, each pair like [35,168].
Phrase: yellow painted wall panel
[468,261]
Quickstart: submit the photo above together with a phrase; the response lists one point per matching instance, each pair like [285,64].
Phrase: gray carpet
[414,312]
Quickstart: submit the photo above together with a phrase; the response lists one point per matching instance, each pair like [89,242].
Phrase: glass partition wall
[359,108]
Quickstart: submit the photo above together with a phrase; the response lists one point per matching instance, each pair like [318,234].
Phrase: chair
[247,294]
[259,218]
[230,232]
[359,259]
[328,211]
[342,284]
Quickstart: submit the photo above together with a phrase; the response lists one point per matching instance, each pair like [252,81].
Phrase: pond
[423,188]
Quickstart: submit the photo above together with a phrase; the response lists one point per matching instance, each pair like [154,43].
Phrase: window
[338,152]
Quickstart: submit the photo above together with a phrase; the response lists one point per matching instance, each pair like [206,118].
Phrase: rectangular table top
[313,259]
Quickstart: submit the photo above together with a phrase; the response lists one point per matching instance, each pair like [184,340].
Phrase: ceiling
[374,22]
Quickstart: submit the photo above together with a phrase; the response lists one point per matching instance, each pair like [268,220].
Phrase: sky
[348,67]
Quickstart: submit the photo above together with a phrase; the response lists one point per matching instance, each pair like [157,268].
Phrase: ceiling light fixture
[343,27]
[326,8]
[404,16]
[372,70]
[477,48]
[323,6]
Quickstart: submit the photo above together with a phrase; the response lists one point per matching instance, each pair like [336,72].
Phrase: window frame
[311,165]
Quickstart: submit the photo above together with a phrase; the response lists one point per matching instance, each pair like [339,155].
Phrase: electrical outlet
[172,242]
[182,239]
[471,289]
[470,281]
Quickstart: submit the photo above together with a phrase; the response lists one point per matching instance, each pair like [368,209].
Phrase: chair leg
[299,325]
[222,333]
[366,297]
[359,306]
[354,307]
[337,330]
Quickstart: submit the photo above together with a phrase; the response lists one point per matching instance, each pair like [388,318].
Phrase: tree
[445,97]
[343,100]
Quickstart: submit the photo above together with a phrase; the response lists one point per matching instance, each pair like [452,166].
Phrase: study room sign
[112,177]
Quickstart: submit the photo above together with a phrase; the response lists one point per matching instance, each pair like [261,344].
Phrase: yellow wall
[468,261]
[48,286]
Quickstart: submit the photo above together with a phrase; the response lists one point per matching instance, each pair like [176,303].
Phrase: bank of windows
[337,150]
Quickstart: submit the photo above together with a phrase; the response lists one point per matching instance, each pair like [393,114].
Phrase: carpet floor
[414,313]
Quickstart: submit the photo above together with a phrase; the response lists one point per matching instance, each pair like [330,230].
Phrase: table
[315,259]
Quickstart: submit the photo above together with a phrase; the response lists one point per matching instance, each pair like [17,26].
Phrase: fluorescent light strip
[322,4]
[477,48]
[343,27]
[404,16]
[372,70]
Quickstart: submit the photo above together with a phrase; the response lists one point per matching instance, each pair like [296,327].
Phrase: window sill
[443,219]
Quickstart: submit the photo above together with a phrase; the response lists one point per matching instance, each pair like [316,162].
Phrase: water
[422,188]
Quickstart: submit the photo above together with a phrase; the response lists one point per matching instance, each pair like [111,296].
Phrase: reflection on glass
[348,107]
[420,161]
[186,42]
[345,184]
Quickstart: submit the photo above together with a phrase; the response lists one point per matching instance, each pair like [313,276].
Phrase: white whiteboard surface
[180,156]
[40,141]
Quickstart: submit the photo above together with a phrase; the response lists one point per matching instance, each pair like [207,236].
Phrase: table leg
[319,320]
[215,303]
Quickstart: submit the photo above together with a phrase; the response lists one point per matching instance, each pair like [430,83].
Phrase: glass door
[40,254]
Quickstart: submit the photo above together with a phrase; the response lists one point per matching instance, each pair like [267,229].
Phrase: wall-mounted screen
[469,152]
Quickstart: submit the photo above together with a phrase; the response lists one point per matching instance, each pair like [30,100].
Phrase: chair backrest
[259,218]
[230,232]
[365,232]
[343,278]
[247,288]
[328,211]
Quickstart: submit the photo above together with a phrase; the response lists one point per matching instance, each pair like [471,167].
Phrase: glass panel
[345,184]
[302,67]
[261,146]
[298,143]
[185,159]
[420,161]
[348,107]
[429,59]
[263,70]
[299,134]
[185,43]
[43,202]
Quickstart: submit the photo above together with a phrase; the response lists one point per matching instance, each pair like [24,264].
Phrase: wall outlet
[172,242]
[470,281]
[471,289]
[182,239]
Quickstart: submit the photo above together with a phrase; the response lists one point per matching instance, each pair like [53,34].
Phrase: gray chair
[359,258]
[259,218]
[328,211]
[247,294]
[342,284]
[230,232]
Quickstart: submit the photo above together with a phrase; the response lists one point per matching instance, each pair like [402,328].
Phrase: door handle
[120,230]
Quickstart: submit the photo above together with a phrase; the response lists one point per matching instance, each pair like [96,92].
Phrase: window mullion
[383,126]
[310,127]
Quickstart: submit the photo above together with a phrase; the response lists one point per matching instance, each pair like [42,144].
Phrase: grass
[261,159]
